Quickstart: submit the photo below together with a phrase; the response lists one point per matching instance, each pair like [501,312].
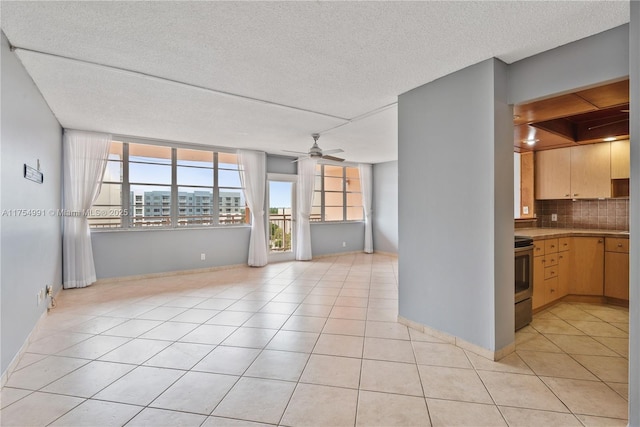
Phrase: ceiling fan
[316,152]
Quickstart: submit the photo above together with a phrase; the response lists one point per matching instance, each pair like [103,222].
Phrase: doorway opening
[281,229]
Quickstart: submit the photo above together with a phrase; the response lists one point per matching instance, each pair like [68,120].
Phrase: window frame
[126,203]
[343,191]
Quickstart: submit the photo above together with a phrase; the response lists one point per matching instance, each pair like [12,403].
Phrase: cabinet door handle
[619,245]
[567,195]
[561,257]
[599,240]
[553,290]
[575,194]
[544,260]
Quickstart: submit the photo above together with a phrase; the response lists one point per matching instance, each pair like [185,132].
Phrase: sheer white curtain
[84,161]
[253,175]
[366,184]
[304,200]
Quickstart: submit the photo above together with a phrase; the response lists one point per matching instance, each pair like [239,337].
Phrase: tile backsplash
[609,214]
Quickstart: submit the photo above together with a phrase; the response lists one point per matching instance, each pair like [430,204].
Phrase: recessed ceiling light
[611,138]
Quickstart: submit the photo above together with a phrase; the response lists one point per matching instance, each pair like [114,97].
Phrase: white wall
[31,254]
[137,252]
[587,62]
[455,202]
[385,207]
[327,238]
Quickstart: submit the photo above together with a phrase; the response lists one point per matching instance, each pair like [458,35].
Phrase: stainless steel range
[523,280]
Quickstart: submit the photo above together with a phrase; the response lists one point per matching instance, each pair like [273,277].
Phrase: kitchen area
[571,175]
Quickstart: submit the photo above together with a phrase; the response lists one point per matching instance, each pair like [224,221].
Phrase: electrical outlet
[39,297]
[525,210]
[554,217]
[202,257]
[344,244]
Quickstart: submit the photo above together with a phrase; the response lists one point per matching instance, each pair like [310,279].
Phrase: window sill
[145,229]
[338,222]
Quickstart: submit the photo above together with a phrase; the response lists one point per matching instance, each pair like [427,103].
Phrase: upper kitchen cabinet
[553,174]
[591,171]
[620,159]
[582,172]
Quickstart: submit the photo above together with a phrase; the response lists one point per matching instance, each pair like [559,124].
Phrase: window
[107,212]
[337,195]
[167,187]
[150,179]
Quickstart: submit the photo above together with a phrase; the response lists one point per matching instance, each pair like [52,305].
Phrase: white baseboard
[16,359]
[168,273]
[459,342]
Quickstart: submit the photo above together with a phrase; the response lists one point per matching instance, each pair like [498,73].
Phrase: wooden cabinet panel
[538,247]
[616,275]
[620,159]
[550,272]
[613,244]
[553,174]
[550,246]
[527,174]
[587,266]
[591,171]
[564,244]
[538,282]
[551,260]
[551,290]
[564,272]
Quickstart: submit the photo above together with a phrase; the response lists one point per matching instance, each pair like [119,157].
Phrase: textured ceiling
[278,71]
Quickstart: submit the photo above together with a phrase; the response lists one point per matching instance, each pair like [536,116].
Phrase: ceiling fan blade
[335,151]
[335,159]
[304,156]
[297,152]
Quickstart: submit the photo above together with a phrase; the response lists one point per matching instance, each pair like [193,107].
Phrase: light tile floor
[304,343]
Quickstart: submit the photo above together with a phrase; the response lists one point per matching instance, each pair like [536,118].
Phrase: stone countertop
[551,233]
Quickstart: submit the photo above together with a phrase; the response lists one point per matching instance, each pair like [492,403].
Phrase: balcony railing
[280,229]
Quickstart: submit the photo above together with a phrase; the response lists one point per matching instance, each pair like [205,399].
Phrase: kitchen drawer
[550,246]
[551,292]
[550,260]
[538,247]
[614,244]
[550,272]
[564,244]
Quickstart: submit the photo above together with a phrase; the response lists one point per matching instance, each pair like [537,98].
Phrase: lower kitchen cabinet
[587,266]
[616,268]
[564,273]
[551,292]
[538,297]
[550,271]
[580,266]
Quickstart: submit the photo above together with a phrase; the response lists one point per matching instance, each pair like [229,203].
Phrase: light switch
[525,210]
